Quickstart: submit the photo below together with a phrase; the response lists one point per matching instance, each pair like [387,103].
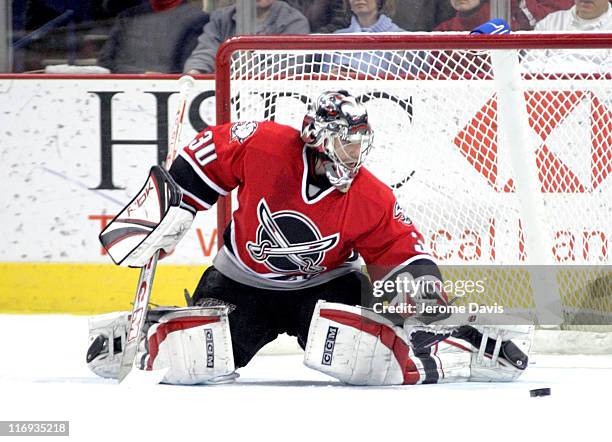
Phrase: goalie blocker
[154,220]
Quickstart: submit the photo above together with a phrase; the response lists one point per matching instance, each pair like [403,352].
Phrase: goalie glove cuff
[165,236]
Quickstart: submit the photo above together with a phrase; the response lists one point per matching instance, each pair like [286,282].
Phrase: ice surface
[43,376]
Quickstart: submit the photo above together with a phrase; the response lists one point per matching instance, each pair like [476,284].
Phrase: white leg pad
[194,344]
[359,347]
[113,327]
[488,366]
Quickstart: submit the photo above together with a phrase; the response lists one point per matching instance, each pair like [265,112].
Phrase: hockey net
[501,156]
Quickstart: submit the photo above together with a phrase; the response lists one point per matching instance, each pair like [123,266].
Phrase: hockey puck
[538,392]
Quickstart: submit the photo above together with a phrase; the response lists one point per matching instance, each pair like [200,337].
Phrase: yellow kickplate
[87,288]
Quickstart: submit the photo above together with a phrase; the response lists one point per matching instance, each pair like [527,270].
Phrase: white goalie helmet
[336,126]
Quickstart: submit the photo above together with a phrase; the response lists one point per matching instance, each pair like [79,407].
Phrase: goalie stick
[147,273]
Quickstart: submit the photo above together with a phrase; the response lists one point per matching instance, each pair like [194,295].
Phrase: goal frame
[373,41]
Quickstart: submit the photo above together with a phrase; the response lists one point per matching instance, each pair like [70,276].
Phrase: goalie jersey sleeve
[212,164]
[391,241]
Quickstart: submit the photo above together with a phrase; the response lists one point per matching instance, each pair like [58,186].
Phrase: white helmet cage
[333,122]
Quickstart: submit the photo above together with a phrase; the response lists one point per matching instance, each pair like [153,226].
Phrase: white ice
[43,376]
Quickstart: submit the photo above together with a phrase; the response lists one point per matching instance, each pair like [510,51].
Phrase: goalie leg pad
[107,334]
[358,347]
[498,353]
[194,344]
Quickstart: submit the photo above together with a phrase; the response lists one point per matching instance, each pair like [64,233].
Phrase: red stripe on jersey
[386,334]
[193,203]
[164,329]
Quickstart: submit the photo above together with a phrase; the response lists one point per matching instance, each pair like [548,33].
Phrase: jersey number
[203,149]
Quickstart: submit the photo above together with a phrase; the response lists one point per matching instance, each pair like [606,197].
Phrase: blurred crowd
[173,36]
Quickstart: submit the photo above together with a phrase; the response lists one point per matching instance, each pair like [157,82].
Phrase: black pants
[260,315]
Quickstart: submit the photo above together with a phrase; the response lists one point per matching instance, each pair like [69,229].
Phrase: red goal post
[502,145]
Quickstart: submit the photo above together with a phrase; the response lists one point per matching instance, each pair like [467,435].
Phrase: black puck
[538,392]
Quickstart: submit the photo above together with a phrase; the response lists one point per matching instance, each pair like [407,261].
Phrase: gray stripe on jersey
[227,265]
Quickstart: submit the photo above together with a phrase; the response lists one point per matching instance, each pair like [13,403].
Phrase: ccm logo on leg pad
[210,348]
[330,342]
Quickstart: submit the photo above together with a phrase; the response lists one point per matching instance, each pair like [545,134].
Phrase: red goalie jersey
[291,229]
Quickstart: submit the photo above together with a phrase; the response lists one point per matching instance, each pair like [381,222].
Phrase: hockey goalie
[309,216]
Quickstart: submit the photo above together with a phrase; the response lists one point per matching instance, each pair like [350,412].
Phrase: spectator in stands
[470,13]
[422,15]
[273,17]
[369,16]
[525,13]
[585,15]
[156,36]
[324,16]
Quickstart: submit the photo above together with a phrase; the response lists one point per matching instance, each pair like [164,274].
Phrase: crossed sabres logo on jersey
[289,242]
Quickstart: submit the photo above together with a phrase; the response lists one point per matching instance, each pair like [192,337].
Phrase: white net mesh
[442,142]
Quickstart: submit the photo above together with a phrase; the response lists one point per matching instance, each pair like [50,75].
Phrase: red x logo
[547,110]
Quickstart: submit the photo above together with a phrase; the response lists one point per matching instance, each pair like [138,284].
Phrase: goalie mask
[337,127]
